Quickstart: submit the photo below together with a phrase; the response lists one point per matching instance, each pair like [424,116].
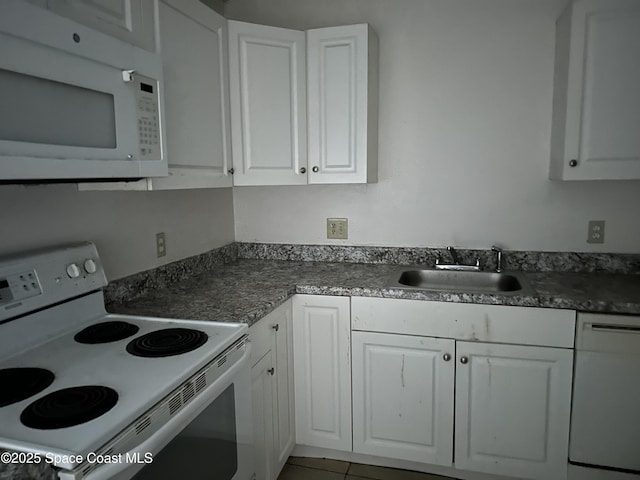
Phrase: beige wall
[122,224]
[465,118]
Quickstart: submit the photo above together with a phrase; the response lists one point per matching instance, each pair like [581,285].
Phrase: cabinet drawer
[262,332]
[465,321]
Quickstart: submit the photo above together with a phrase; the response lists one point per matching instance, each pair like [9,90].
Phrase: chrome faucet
[498,252]
[456,265]
[454,255]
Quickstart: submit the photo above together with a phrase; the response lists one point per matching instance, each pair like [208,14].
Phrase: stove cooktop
[167,342]
[72,377]
[22,383]
[101,388]
[105,332]
[69,407]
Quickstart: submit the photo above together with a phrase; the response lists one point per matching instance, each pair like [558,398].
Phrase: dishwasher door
[605,421]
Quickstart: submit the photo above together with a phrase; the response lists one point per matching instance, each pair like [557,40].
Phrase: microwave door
[66,116]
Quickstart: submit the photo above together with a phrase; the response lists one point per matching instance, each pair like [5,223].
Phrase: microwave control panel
[149,139]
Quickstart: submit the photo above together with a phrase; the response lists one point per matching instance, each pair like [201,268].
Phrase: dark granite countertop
[247,290]
[10,470]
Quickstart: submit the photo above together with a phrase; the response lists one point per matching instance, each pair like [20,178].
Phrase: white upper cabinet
[596,117]
[196,98]
[194,56]
[283,81]
[129,21]
[268,104]
[342,69]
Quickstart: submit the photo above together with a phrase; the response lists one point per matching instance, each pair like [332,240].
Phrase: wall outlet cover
[161,245]
[596,231]
[338,228]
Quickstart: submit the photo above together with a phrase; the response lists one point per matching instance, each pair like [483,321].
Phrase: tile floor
[302,468]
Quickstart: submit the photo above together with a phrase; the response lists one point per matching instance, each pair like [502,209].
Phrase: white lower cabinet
[272,390]
[513,409]
[284,411]
[403,397]
[512,401]
[263,433]
[322,357]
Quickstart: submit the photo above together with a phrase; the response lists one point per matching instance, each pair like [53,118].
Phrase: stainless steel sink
[457,281]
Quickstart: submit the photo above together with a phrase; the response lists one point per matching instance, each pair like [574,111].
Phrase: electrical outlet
[161,245]
[596,231]
[338,228]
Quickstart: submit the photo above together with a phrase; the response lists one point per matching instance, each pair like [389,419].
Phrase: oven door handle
[168,431]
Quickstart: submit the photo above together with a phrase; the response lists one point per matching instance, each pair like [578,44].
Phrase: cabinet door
[283,378]
[512,410]
[321,351]
[342,65]
[263,432]
[194,55]
[597,92]
[403,397]
[132,22]
[268,104]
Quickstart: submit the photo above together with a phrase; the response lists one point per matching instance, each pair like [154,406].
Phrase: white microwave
[75,103]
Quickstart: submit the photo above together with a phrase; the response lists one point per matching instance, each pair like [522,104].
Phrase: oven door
[211,440]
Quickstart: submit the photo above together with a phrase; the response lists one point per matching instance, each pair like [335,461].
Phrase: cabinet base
[576,472]
[315,452]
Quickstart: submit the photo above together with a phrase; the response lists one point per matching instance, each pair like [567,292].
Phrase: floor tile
[320,463]
[383,473]
[295,472]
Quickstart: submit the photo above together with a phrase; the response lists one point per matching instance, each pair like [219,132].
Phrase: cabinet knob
[573,162]
[446,357]
[464,360]
[271,371]
[231,171]
[303,170]
[315,169]
[276,327]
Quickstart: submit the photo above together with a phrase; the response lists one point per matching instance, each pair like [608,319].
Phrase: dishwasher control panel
[608,333]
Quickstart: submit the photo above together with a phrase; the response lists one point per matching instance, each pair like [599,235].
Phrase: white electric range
[98,395]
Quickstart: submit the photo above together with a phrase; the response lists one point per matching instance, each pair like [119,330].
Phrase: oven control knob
[90,266]
[73,271]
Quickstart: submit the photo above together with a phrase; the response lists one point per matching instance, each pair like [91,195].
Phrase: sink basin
[482,282]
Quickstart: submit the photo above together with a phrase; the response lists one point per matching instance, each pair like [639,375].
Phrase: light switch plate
[596,231]
[338,228]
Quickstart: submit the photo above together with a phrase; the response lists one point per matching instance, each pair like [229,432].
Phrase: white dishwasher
[605,421]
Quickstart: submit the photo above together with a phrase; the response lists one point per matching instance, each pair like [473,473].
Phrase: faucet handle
[498,252]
